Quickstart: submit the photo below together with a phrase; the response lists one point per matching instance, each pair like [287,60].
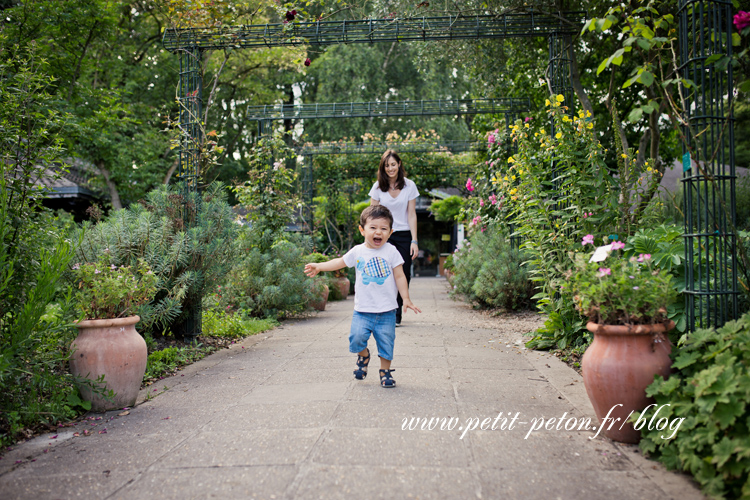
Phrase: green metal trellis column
[711,292]
[190,99]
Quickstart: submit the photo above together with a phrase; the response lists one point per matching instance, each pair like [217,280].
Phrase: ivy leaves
[711,391]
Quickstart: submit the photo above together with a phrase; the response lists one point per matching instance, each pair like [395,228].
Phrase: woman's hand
[414,251]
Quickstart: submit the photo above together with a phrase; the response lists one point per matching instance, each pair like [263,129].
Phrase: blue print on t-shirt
[376,270]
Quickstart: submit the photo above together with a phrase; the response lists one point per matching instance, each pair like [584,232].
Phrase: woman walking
[399,194]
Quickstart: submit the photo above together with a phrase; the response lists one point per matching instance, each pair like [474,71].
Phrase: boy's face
[376,232]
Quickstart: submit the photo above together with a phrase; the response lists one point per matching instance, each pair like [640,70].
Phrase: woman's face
[391,168]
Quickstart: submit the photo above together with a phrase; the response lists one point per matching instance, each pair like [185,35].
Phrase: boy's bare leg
[385,364]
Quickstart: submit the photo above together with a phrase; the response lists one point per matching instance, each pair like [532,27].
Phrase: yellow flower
[505,178]
[588,113]
[526,125]
[536,134]
[590,125]
[511,159]
[580,114]
[559,98]
[513,177]
[648,169]
[558,135]
[546,101]
[624,155]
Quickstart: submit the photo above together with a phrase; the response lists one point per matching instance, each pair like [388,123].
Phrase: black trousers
[402,241]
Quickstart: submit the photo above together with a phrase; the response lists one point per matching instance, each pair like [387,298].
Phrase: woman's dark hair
[383,182]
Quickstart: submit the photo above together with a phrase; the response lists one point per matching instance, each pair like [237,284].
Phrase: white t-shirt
[398,205]
[375,289]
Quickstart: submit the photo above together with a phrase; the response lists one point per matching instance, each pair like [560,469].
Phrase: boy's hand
[409,305]
[311,269]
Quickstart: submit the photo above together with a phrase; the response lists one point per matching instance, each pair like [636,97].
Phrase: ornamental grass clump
[106,291]
[611,289]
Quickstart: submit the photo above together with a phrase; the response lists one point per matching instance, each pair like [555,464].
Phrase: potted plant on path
[625,300]
[109,355]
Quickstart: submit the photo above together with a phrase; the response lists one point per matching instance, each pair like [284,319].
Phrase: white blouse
[398,205]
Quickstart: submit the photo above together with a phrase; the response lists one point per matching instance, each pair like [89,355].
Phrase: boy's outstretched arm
[332,265]
[403,288]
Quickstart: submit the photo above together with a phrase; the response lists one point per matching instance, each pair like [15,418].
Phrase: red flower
[307,62]
[742,20]
[290,15]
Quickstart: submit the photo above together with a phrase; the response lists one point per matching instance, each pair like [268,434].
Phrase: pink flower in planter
[469,185]
[588,240]
[493,199]
[491,138]
[481,202]
[742,20]
[644,257]
[604,271]
[618,245]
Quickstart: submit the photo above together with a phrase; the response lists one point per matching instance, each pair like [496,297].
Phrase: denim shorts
[382,326]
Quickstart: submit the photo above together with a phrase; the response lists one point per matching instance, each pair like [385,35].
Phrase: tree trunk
[113,194]
[171,170]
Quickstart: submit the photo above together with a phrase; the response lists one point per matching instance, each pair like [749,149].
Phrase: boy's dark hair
[375,212]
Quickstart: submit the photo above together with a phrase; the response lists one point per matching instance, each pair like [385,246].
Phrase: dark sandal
[362,361]
[386,380]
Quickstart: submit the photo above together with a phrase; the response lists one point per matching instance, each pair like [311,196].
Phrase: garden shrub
[710,390]
[166,361]
[490,274]
[448,209]
[218,323]
[552,190]
[189,250]
[269,284]
[36,310]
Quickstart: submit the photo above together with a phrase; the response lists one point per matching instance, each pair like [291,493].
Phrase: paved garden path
[280,416]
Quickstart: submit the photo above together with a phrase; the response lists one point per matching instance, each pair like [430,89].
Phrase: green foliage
[268,194]
[489,273]
[189,252]
[710,391]
[271,283]
[36,309]
[167,361]
[621,291]
[106,291]
[217,323]
[448,209]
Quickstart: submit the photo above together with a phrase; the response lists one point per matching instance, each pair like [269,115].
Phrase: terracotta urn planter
[113,348]
[618,366]
[320,297]
[342,284]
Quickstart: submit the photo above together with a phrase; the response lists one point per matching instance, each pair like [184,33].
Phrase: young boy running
[380,276]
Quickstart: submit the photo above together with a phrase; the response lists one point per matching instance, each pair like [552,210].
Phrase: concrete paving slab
[335,482]
[64,485]
[355,414]
[243,448]
[222,483]
[532,484]
[394,447]
[285,415]
[296,393]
